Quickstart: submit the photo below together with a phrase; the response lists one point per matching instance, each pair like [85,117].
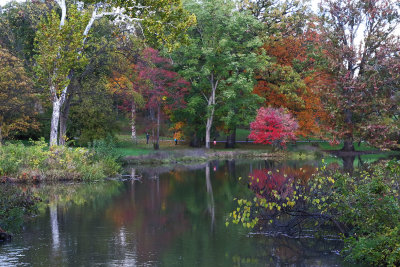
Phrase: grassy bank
[203,155]
[126,147]
[37,162]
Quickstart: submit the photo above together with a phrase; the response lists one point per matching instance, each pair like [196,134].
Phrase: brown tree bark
[1,136]
[64,119]
[348,145]
[231,139]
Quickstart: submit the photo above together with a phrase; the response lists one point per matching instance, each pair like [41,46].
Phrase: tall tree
[17,103]
[160,22]
[18,24]
[294,78]
[123,83]
[220,62]
[60,42]
[163,88]
[361,48]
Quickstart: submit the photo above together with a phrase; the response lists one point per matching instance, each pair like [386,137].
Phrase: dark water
[173,216]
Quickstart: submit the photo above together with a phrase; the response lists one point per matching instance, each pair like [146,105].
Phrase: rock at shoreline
[4,236]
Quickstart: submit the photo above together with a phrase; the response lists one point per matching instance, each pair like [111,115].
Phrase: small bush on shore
[38,161]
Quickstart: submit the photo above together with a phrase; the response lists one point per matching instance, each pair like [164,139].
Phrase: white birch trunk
[55,120]
[59,101]
[211,103]
[208,129]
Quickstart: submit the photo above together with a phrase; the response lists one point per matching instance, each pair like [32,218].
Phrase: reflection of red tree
[150,216]
[264,181]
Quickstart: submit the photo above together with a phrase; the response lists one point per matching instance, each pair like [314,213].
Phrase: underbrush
[363,209]
[38,161]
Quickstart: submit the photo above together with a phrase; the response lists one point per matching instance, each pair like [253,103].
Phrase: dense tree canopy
[17,103]
[219,62]
[361,48]
[336,72]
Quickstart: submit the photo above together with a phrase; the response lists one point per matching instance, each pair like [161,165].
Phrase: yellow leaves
[331,180]
[291,203]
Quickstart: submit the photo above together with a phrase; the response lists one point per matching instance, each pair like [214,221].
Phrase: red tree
[163,88]
[273,124]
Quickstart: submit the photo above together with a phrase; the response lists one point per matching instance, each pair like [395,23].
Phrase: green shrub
[59,162]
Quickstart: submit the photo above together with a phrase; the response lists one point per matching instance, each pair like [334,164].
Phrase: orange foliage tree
[17,100]
[293,80]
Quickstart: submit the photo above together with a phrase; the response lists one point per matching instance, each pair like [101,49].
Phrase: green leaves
[164,22]
[60,49]
[222,47]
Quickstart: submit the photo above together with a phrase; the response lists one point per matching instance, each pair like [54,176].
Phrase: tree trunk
[348,139]
[348,145]
[208,130]
[1,136]
[231,139]
[62,138]
[55,120]
[194,141]
[211,103]
[133,119]
[157,143]
[63,121]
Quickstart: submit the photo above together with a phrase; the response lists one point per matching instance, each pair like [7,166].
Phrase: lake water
[170,216]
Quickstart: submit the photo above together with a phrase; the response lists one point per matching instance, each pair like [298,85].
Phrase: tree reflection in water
[172,216]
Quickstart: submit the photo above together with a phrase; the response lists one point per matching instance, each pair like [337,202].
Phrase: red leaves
[153,78]
[273,125]
[159,82]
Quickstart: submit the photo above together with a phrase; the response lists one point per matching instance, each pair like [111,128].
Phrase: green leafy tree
[18,26]
[219,62]
[60,41]
[160,22]
[59,44]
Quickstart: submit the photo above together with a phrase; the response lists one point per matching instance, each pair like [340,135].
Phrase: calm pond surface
[173,216]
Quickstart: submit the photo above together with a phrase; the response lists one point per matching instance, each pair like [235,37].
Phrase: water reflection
[161,216]
[54,226]
[211,204]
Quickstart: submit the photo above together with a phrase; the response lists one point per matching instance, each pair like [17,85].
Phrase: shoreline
[203,155]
